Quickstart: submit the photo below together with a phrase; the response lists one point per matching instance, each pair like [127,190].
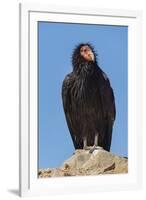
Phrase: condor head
[83,54]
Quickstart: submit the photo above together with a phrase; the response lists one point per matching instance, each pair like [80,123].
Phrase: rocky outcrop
[83,163]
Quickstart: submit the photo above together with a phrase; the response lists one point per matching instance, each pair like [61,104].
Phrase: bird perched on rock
[88,101]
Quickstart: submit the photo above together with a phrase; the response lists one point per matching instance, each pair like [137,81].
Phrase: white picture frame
[30,184]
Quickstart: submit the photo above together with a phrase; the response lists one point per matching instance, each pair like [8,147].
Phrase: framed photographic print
[80,100]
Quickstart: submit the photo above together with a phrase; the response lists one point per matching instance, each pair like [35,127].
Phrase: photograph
[82,99]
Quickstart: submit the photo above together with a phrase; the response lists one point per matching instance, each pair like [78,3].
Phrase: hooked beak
[91,56]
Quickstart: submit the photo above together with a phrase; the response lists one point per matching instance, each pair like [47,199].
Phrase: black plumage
[88,102]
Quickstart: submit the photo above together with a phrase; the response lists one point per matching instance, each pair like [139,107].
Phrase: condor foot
[95,148]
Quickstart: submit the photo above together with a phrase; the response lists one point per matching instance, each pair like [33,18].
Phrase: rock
[83,163]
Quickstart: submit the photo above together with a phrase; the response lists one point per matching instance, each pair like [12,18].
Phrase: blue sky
[56,43]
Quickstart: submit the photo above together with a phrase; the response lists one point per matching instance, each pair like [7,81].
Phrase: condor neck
[85,69]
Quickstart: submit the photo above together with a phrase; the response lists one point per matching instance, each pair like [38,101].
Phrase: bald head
[87,53]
